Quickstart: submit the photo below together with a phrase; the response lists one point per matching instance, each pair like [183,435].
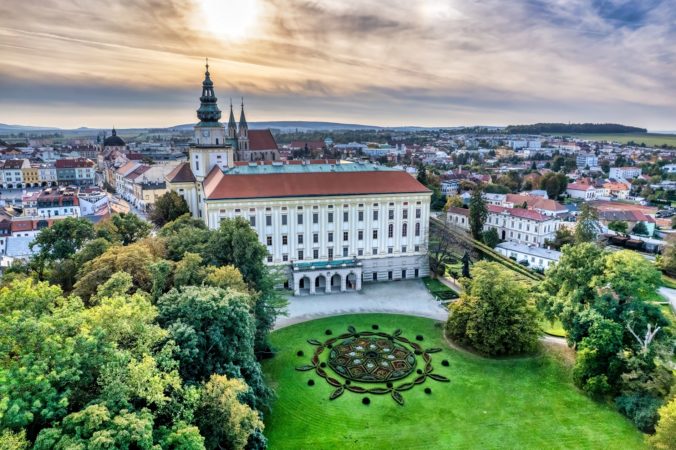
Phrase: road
[670,295]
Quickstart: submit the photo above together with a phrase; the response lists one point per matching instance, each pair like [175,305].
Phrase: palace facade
[330,225]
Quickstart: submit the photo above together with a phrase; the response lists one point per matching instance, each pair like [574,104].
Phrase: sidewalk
[451,284]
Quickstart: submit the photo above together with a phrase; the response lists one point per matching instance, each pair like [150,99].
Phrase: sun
[233,20]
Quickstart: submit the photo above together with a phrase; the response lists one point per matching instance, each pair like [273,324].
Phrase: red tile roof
[181,174]
[519,212]
[461,211]
[579,187]
[261,140]
[535,202]
[73,163]
[22,225]
[220,186]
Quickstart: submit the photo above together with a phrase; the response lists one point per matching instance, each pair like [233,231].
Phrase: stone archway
[351,282]
[304,285]
[336,282]
[320,284]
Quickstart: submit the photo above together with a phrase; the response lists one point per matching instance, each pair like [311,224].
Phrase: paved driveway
[408,297]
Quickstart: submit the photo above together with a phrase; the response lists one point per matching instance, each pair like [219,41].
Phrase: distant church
[246,145]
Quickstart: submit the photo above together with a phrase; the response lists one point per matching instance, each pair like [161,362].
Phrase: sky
[140,63]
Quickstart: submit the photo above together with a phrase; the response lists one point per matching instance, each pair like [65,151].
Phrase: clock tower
[209,148]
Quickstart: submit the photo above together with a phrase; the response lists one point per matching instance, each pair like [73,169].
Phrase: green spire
[208,110]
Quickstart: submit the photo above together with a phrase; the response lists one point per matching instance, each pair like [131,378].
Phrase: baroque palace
[332,225]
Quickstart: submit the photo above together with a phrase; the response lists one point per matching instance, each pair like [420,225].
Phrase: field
[507,403]
[650,139]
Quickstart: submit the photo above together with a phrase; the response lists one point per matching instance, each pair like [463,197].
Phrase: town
[359,225]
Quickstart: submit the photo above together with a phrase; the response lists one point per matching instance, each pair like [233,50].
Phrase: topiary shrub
[348,382]
[322,365]
[310,382]
[444,362]
[366,401]
[328,332]
[300,353]
[419,337]
[419,371]
[389,385]
[428,391]
[375,327]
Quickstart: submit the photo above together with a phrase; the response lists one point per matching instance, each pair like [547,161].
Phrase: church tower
[210,147]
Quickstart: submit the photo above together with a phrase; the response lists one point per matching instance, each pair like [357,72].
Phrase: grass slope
[509,403]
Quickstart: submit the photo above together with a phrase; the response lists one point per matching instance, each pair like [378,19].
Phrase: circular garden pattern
[372,357]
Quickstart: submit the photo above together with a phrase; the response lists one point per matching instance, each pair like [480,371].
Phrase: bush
[366,401]
[322,365]
[310,382]
[375,327]
[419,371]
[640,409]
[428,391]
[444,362]
[328,332]
[300,353]
[419,337]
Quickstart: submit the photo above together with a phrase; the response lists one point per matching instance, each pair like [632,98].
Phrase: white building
[625,173]
[581,190]
[586,160]
[331,226]
[512,224]
[537,258]
[669,168]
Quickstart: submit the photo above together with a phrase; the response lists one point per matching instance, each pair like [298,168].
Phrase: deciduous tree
[168,207]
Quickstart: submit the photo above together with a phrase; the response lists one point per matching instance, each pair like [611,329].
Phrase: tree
[665,431]
[490,237]
[62,239]
[167,208]
[224,420]
[185,234]
[215,334]
[478,212]
[225,277]
[493,315]
[236,243]
[641,229]
[587,224]
[422,175]
[667,261]
[618,226]
[135,259]
[189,271]
[452,201]
[125,228]
[563,236]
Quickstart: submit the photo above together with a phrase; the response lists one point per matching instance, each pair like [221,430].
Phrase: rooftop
[531,251]
[312,167]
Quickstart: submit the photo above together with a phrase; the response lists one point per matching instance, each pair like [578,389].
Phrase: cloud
[388,61]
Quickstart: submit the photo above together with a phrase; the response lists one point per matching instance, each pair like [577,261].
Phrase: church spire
[243,127]
[232,125]
[208,110]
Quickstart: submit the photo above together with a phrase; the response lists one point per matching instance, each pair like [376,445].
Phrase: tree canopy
[494,315]
[167,208]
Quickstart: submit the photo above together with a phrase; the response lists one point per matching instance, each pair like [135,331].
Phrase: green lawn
[554,328]
[669,282]
[439,289]
[508,403]
[650,139]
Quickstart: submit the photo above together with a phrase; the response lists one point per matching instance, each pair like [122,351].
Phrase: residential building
[31,176]
[512,224]
[533,257]
[586,160]
[76,172]
[582,190]
[625,173]
[12,173]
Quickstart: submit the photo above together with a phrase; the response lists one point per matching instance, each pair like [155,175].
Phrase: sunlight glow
[233,20]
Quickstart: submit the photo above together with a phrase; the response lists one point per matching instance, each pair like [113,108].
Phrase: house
[534,257]
[625,173]
[582,190]
[535,203]
[512,224]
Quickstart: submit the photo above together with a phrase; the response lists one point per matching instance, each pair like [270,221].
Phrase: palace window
[390,230]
